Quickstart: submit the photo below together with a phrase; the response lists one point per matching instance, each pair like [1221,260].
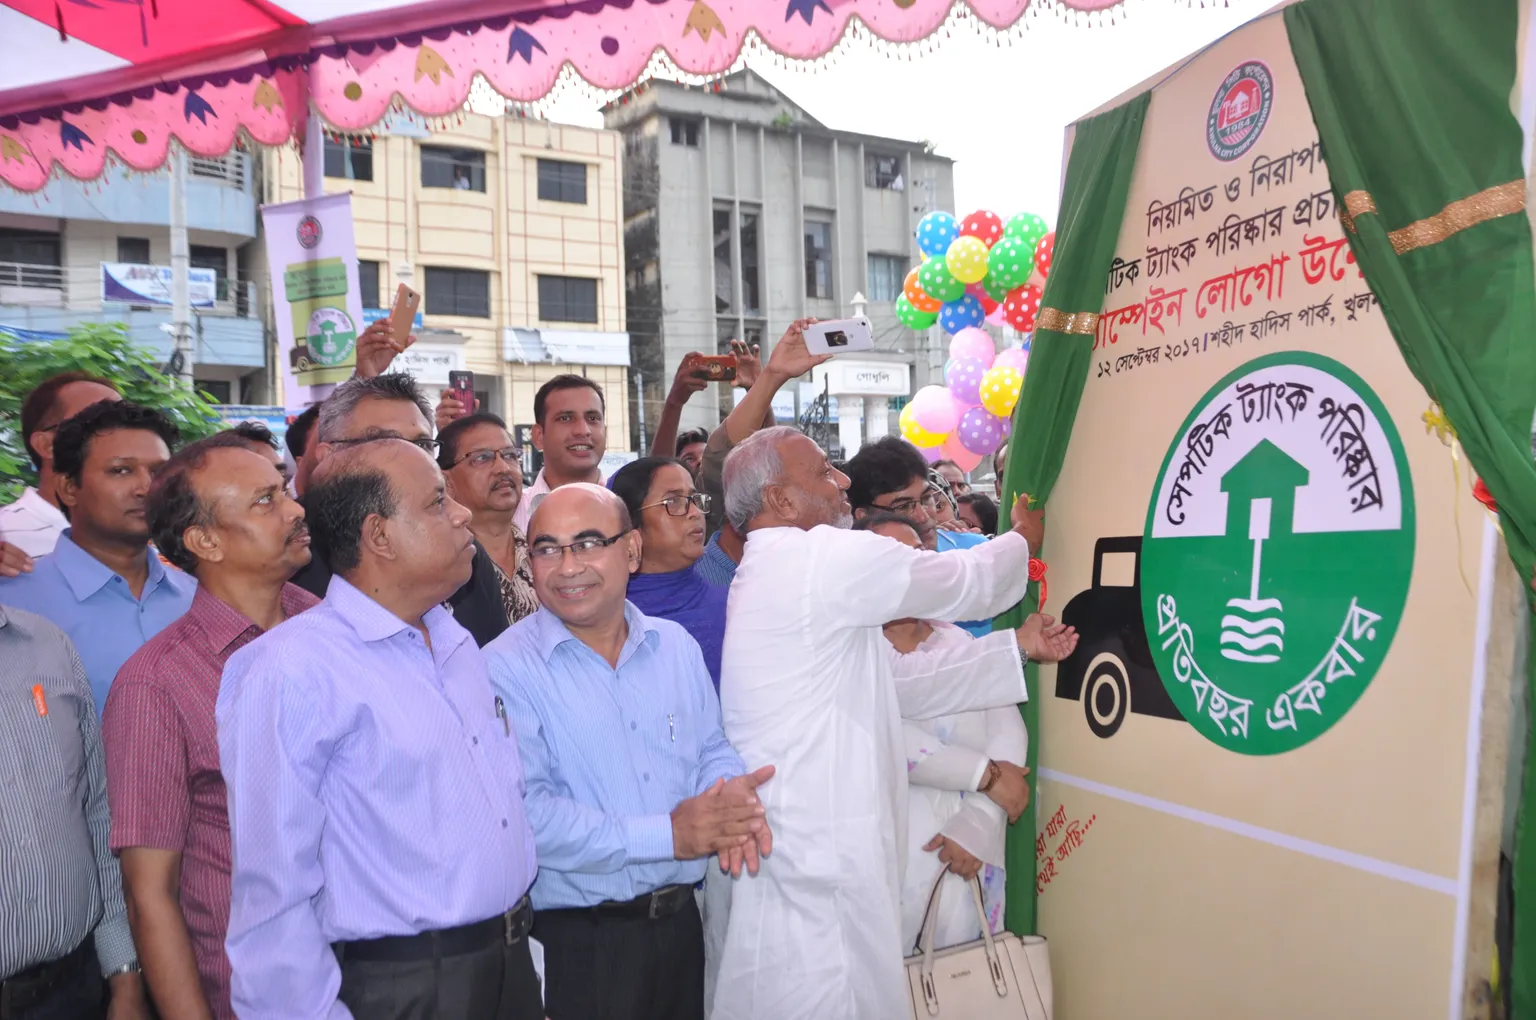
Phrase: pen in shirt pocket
[501,713]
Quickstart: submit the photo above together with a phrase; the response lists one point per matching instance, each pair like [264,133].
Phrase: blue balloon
[935,231]
[1027,338]
[957,315]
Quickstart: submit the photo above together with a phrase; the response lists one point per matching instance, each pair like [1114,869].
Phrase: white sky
[1000,113]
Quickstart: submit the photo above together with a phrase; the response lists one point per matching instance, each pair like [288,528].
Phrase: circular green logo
[1277,552]
[331,336]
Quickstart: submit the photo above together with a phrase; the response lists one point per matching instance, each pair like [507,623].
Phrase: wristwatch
[993,773]
[127,968]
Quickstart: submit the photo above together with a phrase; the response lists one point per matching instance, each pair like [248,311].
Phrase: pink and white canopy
[82,78]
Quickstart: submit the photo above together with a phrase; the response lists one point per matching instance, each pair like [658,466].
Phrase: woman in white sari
[966,783]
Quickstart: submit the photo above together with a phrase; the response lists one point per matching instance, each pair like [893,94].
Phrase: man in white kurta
[807,685]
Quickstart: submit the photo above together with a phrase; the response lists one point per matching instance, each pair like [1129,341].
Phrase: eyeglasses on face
[677,506]
[424,443]
[583,549]
[481,458]
[928,500]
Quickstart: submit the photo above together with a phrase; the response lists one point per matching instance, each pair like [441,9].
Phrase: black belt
[469,938]
[652,906]
[25,989]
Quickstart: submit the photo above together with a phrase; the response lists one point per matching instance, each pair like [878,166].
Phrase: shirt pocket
[48,746]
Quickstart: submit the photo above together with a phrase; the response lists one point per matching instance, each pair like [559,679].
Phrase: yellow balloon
[915,434]
[1000,389]
[967,259]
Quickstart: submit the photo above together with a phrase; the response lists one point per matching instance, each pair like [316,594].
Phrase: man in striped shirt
[62,922]
[217,510]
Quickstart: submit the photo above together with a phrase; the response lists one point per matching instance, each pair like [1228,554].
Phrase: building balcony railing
[79,289]
[228,170]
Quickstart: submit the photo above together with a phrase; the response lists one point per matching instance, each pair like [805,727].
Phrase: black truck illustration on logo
[1111,671]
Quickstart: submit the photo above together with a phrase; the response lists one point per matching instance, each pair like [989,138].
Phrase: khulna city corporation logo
[1239,110]
[309,232]
[1277,553]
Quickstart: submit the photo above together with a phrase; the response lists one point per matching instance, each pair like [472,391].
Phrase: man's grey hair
[338,407]
[752,466]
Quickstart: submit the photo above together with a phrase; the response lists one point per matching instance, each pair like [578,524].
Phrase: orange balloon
[917,295]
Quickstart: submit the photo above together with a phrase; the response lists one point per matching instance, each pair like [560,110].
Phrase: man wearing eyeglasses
[392,406]
[631,784]
[889,474]
[485,475]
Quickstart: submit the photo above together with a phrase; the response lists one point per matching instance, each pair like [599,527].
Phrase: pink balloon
[997,316]
[973,343]
[979,431]
[952,450]
[964,381]
[935,410]
[1014,357]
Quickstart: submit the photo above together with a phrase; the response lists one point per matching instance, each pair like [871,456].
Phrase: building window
[887,277]
[458,292]
[684,131]
[818,259]
[203,256]
[882,172]
[560,181]
[460,169]
[349,159]
[725,293]
[30,247]
[219,391]
[567,299]
[751,277]
[134,250]
[368,283]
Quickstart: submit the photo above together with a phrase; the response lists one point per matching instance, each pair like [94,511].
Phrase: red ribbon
[1037,574]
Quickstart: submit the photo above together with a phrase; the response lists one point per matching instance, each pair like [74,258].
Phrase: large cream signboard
[1254,770]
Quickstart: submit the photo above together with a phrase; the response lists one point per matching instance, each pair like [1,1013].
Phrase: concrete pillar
[850,424]
[877,418]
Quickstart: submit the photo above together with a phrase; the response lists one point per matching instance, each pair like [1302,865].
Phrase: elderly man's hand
[13,562]
[1045,640]
[721,819]
[790,358]
[959,860]
[1029,523]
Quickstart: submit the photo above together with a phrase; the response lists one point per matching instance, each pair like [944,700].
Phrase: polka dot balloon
[916,295]
[1022,306]
[1010,263]
[1043,253]
[914,433]
[961,314]
[937,281]
[935,231]
[964,380]
[967,259]
[1026,228]
[983,225]
[980,431]
[1000,389]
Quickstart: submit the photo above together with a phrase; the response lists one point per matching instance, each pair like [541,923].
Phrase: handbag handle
[925,943]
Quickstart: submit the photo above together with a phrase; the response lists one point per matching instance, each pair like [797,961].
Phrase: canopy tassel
[58,17]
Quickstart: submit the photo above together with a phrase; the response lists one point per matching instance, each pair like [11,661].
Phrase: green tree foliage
[100,350]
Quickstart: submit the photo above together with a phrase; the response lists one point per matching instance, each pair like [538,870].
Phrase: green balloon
[996,291]
[938,282]
[1009,264]
[1027,229]
[911,317]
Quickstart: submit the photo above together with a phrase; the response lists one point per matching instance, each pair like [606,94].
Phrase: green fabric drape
[1098,179]
[1411,100]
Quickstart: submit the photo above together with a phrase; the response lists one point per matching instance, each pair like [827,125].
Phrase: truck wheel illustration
[1106,693]
[1112,672]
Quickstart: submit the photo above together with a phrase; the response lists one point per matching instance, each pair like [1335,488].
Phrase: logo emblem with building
[1239,110]
[1277,553]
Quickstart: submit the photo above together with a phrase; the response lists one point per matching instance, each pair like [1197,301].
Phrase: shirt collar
[86,575]
[550,633]
[372,622]
[223,624]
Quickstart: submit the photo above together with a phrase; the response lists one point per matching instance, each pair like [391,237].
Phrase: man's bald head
[583,547]
[584,500]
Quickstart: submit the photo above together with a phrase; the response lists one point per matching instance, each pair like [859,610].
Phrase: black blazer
[477,606]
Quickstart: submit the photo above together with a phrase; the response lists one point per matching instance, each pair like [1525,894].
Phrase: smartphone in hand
[714,367]
[402,314]
[461,386]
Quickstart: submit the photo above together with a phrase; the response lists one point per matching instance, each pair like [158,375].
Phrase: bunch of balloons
[977,270]
[969,417]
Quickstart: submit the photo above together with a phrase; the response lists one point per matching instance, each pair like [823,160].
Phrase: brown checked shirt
[163,775]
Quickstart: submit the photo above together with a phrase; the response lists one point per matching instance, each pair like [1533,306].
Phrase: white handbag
[1007,977]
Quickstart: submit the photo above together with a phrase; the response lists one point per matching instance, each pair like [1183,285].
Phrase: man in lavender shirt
[382,857]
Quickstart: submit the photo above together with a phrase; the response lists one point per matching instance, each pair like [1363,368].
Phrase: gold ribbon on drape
[1490,203]
[1057,321]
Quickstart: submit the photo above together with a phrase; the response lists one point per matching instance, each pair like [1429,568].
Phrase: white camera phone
[839,336]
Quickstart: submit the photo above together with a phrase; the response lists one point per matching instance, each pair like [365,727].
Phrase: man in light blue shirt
[102,584]
[631,784]
[382,857]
